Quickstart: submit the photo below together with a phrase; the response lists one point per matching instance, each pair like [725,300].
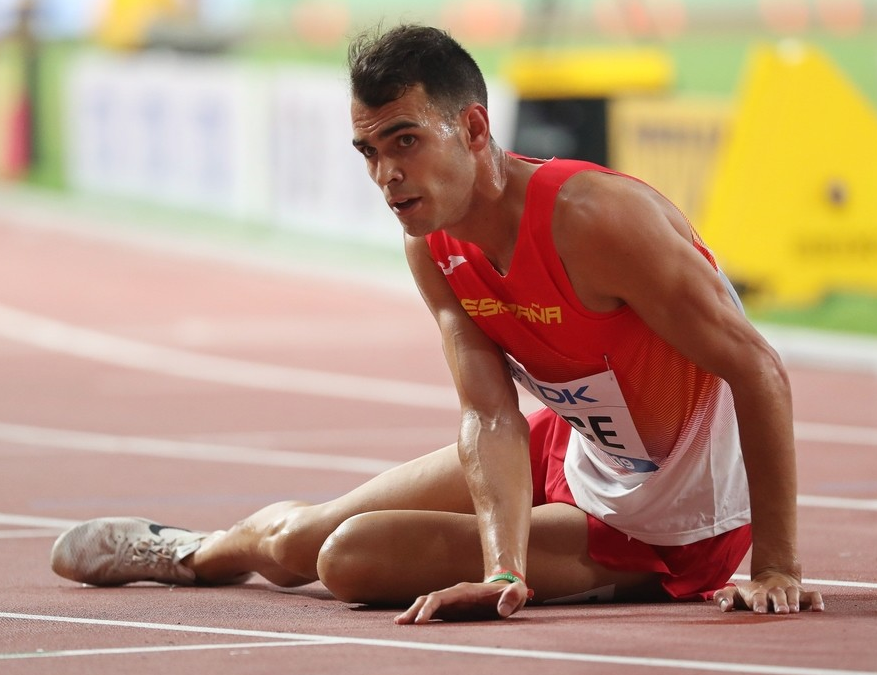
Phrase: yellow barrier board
[593,73]
[669,142]
[792,212]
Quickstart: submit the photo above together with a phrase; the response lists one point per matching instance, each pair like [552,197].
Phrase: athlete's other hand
[769,591]
[467,602]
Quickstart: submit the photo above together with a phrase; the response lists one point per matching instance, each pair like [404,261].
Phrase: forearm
[764,414]
[495,457]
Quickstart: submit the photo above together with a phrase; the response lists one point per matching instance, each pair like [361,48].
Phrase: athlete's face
[420,159]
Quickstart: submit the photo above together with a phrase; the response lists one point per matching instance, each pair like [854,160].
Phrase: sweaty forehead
[408,112]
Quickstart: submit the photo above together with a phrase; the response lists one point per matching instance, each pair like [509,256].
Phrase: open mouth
[404,206]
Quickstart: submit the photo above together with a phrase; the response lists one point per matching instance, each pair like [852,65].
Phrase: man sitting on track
[590,290]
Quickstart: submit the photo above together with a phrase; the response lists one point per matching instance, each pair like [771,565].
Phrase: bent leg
[560,569]
[392,557]
[282,541]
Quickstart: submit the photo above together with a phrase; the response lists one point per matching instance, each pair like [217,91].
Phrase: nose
[387,171]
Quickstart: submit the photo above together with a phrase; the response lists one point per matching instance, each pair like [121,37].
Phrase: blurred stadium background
[228,119]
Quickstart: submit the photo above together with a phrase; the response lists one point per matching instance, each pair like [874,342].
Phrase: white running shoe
[116,551]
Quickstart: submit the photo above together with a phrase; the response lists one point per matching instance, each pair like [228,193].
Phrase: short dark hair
[384,65]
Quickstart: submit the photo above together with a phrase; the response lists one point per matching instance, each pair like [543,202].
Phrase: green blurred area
[849,313]
[47,168]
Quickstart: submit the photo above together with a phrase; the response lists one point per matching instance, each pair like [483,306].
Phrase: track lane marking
[836,434]
[541,655]
[36,521]
[56,336]
[127,651]
[64,439]
[30,533]
[868,585]
[850,503]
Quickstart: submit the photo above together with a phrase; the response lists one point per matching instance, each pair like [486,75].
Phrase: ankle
[201,556]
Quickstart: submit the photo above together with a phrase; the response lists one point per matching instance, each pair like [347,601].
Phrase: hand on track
[770,591]
[467,602]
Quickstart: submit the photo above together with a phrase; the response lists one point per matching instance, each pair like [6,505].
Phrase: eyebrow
[386,133]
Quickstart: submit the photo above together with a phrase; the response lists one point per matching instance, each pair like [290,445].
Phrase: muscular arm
[494,436]
[623,243]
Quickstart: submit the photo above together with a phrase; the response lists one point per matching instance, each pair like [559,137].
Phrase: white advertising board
[171,130]
[234,140]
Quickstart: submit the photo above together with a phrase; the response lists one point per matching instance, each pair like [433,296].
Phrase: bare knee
[349,562]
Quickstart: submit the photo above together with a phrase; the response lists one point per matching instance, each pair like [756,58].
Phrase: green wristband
[504,576]
[512,578]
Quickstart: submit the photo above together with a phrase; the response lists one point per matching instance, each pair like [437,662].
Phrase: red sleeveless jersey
[534,314]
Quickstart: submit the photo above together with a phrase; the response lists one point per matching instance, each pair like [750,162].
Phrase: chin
[418,229]
[412,231]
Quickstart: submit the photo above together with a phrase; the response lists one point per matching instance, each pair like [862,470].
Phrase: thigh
[433,482]
[560,569]
[391,557]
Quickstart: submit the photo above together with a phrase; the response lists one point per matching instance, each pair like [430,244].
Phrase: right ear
[477,124]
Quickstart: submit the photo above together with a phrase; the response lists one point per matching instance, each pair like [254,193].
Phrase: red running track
[194,390]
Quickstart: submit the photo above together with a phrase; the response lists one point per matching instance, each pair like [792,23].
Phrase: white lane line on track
[346,437]
[823,349]
[204,452]
[850,503]
[836,434]
[539,655]
[127,651]
[30,534]
[51,335]
[868,585]
[36,521]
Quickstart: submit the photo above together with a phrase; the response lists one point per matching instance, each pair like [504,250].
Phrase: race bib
[595,407]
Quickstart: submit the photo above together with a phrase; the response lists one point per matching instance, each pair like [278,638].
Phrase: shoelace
[150,559]
[152,553]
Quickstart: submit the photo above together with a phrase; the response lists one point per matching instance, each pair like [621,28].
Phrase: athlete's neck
[497,207]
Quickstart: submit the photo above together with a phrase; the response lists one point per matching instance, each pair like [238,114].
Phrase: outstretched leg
[282,541]
[407,532]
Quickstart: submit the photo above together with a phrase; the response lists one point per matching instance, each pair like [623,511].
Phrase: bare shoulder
[420,261]
[430,281]
[415,247]
[606,230]
[596,202]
